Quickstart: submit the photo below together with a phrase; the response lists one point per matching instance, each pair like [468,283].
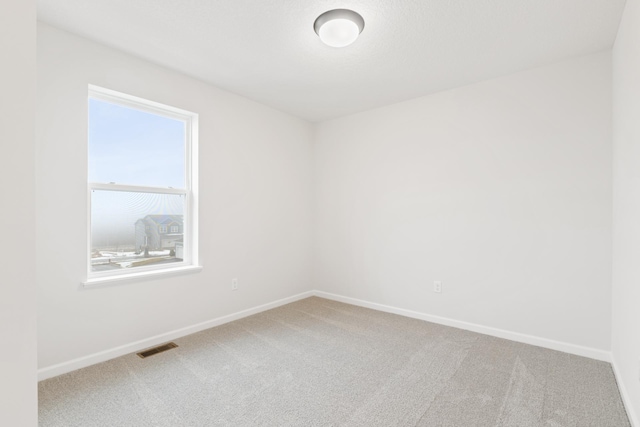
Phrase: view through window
[140,185]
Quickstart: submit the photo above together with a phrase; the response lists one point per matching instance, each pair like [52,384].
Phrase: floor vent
[156,350]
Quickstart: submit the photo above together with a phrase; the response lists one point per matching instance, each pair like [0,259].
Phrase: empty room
[320,213]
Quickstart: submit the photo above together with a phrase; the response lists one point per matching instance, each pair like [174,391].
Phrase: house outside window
[141,181]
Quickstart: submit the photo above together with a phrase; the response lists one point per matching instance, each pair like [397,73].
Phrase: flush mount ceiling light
[339,27]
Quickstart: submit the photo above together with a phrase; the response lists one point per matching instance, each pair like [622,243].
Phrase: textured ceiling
[267,50]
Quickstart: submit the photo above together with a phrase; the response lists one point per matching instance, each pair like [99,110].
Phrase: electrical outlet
[234,284]
[437,286]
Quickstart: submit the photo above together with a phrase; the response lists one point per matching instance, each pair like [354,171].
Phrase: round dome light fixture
[339,27]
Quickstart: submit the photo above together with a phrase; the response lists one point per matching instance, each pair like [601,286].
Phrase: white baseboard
[631,413]
[592,353]
[103,356]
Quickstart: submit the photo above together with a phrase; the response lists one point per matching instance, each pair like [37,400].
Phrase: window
[141,179]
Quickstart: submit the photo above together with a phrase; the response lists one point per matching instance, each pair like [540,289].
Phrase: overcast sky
[127,146]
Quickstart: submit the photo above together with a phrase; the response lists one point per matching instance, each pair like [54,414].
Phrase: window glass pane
[130,230]
[128,146]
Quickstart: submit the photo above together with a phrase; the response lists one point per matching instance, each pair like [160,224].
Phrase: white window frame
[190,214]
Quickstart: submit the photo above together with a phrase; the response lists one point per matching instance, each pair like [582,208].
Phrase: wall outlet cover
[437,286]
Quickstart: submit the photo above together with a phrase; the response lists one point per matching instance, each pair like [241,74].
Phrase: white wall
[501,190]
[626,206]
[18,397]
[255,205]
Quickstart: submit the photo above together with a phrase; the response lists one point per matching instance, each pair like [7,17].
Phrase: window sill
[145,275]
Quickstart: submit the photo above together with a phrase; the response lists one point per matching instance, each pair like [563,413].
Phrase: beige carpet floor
[322,363]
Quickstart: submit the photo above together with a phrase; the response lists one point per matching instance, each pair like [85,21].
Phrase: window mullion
[136,188]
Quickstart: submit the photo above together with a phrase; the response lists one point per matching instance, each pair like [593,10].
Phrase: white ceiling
[267,50]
